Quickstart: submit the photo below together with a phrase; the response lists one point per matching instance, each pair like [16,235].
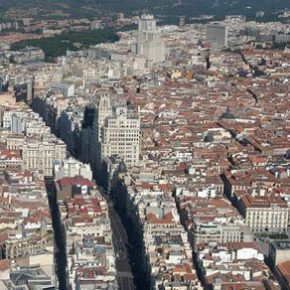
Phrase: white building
[121,136]
[265,213]
[103,110]
[149,42]
[117,132]
[39,155]
[71,168]
[16,124]
[7,117]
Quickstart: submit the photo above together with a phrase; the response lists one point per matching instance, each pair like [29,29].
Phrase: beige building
[279,251]
[220,233]
[15,141]
[149,42]
[103,111]
[121,136]
[39,155]
[117,132]
[24,247]
[265,213]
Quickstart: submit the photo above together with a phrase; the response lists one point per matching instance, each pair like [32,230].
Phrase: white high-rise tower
[121,136]
[116,132]
[149,42]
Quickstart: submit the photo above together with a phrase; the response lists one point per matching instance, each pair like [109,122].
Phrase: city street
[125,278]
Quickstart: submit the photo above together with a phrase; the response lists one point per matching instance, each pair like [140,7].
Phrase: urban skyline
[155,157]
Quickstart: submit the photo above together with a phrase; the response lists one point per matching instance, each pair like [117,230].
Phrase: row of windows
[117,140]
[122,134]
[115,126]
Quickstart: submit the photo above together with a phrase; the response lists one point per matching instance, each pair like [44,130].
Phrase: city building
[116,132]
[121,136]
[149,42]
[265,213]
[279,251]
[192,153]
[28,54]
[217,35]
[70,168]
[40,155]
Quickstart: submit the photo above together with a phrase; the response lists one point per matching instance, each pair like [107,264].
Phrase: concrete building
[103,110]
[28,54]
[40,155]
[16,124]
[220,233]
[69,126]
[66,89]
[7,116]
[149,42]
[217,35]
[116,132]
[121,136]
[279,251]
[71,168]
[265,213]
[15,141]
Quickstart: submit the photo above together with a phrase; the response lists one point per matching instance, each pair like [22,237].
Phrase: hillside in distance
[45,9]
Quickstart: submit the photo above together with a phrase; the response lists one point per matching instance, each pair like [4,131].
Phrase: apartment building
[279,251]
[205,233]
[40,155]
[265,213]
[116,132]
[120,136]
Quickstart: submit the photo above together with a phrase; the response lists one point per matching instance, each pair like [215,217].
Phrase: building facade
[41,155]
[149,42]
[265,213]
[116,132]
[121,136]
[217,35]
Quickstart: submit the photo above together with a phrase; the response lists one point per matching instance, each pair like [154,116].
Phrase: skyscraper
[181,21]
[217,35]
[149,42]
[120,136]
[116,132]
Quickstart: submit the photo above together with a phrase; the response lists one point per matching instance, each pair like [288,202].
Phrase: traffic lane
[122,265]
[126,283]
[122,262]
[119,245]
[116,222]
[119,237]
[120,240]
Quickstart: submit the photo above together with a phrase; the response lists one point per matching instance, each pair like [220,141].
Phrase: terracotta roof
[77,180]
[5,264]
[167,219]
[284,269]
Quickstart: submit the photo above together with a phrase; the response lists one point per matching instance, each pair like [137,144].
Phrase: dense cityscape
[144,155]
